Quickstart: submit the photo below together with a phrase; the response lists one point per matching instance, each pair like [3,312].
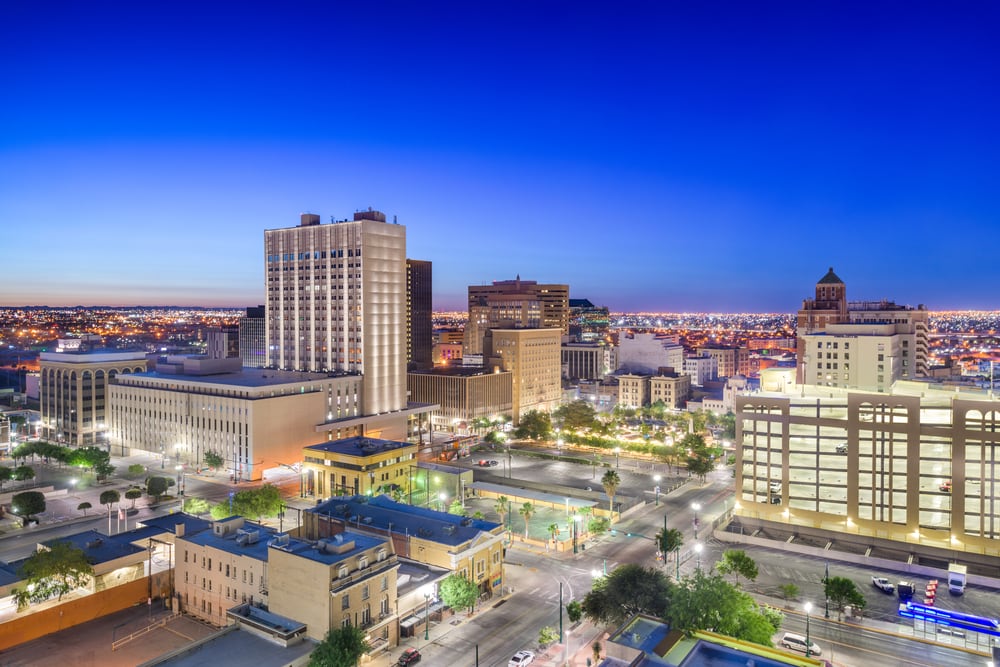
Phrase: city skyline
[661,159]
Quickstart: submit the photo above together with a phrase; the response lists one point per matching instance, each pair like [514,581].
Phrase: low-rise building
[357,465]
[462,394]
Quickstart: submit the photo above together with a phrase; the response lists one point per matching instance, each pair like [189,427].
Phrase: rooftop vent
[367,519]
[466,521]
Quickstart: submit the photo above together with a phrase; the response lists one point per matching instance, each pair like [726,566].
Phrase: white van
[795,642]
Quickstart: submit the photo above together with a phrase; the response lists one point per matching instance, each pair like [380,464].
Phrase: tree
[52,572]
[103,469]
[196,506]
[258,503]
[6,474]
[553,531]
[84,506]
[27,504]
[576,415]
[737,563]
[527,511]
[24,473]
[456,507]
[574,611]
[136,469]
[458,592]
[214,460]
[342,647]
[669,541]
[548,635]
[596,648]
[133,494]
[611,481]
[534,425]
[789,591]
[708,602]
[157,487]
[628,589]
[109,498]
[774,616]
[841,592]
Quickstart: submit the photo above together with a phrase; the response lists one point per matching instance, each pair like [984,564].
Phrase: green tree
[774,617]
[103,469]
[500,507]
[342,647]
[136,469]
[458,592]
[553,530]
[842,592]
[576,415]
[708,602]
[527,511]
[598,525]
[24,473]
[534,425]
[214,460]
[27,504]
[109,498]
[6,474]
[133,494]
[220,511]
[456,507]
[548,635]
[52,572]
[611,481]
[628,589]
[574,611]
[737,563]
[196,506]
[789,591]
[258,503]
[156,486]
[84,506]
[669,540]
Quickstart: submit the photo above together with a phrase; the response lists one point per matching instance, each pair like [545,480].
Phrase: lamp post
[808,607]
[427,616]
[695,507]
[656,490]
[576,530]
[180,478]
[442,497]
[826,603]
[697,550]
[162,459]
[618,451]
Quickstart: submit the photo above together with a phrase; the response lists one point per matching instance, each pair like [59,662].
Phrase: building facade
[514,304]
[588,361]
[253,334]
[360,465]
[918,468]
[419,309]
[73,391]
[647,354]
[336,301]
[532,358]
[672,390]
[462,394]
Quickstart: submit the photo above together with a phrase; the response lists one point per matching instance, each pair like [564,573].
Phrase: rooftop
[99,548]
[359,446]
[248,377]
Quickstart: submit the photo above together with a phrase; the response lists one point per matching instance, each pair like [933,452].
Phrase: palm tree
[527,511]
[500,507]
[553,532]
[611,481]
[669,540]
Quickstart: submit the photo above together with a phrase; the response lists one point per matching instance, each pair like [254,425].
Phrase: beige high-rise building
[462,394]
[532,356]
[864,345]
[336,301]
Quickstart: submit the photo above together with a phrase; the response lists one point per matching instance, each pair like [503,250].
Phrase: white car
[521,658]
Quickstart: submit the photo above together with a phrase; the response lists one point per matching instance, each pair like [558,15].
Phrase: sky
[660,156]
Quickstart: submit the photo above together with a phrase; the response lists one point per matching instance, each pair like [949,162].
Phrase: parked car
[946,486]
[411,656]
[905,589]
[883,585]
[798,643]
[842,448]
[521,658]
[487,463]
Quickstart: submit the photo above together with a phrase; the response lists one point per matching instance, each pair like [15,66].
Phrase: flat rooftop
[247,377]
[359,446]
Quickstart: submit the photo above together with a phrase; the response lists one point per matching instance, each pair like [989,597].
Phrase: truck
[956,578]
[883,584]
[905,589]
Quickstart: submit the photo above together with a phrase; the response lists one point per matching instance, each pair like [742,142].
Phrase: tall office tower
[860,344]
[419,308]
[532,357]
[515,304]
[252,327]
[336,301]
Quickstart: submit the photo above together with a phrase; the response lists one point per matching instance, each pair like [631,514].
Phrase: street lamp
[162,459]
[442,497]
[808,607]
[697,550]
[656,490]
[180,478]
[427,616]
[617,452]
[576,530]
[696,507]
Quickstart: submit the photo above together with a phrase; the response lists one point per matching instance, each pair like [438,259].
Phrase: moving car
[487,463]
[796,642]
[521,658]
[883,585]
[410,656]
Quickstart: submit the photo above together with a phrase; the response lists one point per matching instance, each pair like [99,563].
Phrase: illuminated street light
[656,490]
[697,550]
[696,507]
[808,607]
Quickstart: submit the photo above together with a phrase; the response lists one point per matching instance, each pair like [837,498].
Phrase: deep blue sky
[696,156]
